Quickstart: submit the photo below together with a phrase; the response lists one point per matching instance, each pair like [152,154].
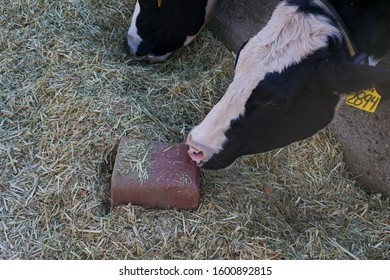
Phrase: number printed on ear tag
[366,100]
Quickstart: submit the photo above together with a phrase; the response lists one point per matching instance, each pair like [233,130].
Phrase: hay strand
[69,92]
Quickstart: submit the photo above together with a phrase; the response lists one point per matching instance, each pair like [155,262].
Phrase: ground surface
[69,92]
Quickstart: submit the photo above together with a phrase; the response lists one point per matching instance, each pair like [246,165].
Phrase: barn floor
[69,92]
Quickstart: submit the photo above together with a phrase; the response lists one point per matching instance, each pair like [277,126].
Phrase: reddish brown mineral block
[172,179]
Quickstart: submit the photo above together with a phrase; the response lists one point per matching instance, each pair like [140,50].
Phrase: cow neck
[352,49]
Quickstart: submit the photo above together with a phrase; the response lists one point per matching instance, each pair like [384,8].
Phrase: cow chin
[157,58]
[151,58]
[215,163]
[213,166]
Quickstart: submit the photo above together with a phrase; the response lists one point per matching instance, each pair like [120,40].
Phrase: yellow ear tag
[366,100]
[159,2]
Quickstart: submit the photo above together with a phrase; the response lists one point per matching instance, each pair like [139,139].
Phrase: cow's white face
[156,31]
[281,92]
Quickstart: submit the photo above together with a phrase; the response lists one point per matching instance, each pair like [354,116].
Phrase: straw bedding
[69,92]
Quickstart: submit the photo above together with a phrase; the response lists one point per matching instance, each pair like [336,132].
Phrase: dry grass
[135,157]
[68,93]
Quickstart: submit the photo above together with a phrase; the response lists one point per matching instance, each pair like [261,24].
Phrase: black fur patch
[164,29]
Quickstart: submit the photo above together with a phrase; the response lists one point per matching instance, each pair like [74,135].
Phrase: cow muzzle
[142,55]
[203,159]
[199,153]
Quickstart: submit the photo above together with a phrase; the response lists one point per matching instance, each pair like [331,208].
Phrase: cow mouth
[157,58]
[151,58]
[199,164]
[213,164]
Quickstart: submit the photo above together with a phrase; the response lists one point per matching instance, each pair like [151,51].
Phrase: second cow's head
[159,27]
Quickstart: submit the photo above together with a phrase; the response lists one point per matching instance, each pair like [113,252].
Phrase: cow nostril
[196,155]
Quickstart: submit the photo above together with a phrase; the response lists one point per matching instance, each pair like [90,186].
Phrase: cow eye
[271,100]
[276,102]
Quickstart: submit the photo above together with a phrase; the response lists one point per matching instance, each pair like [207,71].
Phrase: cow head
[159,27]
[288,82]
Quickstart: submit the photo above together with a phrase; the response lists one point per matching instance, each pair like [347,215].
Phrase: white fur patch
[133,39]
[373,61]
[189,39]
[287,39]
[158,58]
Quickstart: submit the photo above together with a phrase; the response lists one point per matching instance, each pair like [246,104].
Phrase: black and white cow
[159,27]
[290,78]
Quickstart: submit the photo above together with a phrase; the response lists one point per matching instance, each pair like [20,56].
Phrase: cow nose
[196,154]
[131,50]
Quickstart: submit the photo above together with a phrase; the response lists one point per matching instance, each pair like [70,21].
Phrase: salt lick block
[172,180]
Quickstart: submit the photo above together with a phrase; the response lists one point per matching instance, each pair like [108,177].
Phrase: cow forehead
[287,39]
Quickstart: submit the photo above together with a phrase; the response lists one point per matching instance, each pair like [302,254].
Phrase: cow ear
[346,78]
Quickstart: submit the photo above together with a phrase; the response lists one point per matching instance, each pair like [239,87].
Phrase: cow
[160,27]
[292,76]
